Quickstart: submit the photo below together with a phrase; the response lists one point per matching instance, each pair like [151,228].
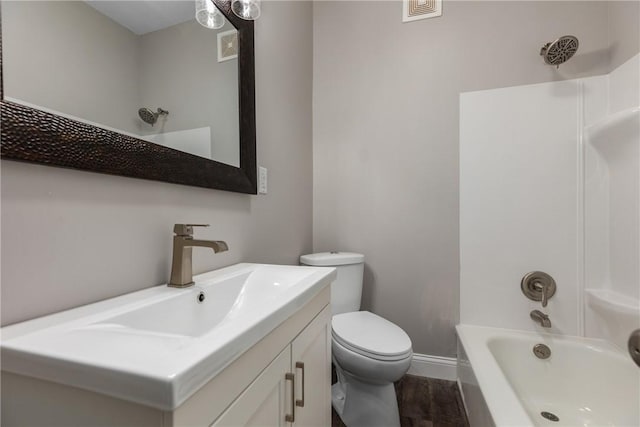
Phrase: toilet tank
[346,290]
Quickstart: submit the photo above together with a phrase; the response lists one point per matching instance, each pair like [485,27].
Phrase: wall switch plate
[262,180]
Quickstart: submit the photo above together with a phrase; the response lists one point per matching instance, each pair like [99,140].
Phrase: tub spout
[541,318]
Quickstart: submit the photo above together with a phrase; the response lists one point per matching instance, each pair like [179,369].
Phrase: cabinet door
[264,402]
[311,362]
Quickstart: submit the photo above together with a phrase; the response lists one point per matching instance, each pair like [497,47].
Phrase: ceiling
[145,16]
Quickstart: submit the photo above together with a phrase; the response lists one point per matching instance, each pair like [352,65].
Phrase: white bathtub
[584,383]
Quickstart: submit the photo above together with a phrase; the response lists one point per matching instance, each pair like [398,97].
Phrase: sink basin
[160,345]
[223,301]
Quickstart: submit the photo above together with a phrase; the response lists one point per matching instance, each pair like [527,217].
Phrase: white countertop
[159,345]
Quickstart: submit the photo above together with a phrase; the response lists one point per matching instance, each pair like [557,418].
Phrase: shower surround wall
[71,238]
[612,211]
[519,203]
[538,193]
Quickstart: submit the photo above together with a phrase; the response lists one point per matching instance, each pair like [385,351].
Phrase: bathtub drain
[549,416]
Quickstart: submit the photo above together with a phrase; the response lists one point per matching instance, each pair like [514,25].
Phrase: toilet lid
[368,333]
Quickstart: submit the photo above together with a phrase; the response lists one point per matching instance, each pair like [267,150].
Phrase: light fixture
[208,15]
[248,10]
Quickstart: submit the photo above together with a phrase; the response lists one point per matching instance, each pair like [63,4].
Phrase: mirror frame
[36,136]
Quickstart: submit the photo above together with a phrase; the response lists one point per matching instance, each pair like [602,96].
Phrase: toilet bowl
[369,352]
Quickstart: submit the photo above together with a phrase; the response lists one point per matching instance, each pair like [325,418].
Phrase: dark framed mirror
[164,140]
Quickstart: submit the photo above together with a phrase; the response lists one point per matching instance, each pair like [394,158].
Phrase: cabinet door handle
[291,377]
[300,402]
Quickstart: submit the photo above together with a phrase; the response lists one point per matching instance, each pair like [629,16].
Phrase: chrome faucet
[183,243]
[541,318]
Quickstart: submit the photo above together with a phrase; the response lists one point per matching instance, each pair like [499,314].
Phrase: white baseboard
[424,365]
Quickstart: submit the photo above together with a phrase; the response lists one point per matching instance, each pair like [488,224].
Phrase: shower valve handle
[544,290]
[538,286]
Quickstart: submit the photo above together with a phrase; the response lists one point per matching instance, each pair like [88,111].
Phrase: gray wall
[71,238]
[624,30]
[180,72]
[386,135]
[72,59]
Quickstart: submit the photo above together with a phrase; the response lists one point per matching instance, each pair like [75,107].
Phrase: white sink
[224,301]
[160,345]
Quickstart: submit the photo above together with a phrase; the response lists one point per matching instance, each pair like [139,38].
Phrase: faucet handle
[538,286]
[186,229]
[543,287]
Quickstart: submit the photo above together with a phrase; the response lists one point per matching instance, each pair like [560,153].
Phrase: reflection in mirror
[144,68]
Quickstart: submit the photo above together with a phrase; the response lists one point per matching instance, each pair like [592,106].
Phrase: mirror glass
[143,68]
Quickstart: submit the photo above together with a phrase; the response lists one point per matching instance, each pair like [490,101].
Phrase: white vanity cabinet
[264,402]
[283,380]
[294,388]
[311,362]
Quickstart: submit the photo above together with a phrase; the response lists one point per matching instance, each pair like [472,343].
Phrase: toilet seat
[370,335]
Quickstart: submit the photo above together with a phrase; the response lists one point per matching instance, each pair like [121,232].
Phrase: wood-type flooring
[425,402]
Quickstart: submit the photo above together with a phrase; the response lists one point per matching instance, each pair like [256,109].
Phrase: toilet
[368,351]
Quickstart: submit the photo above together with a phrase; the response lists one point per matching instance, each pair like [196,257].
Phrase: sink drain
[549,416]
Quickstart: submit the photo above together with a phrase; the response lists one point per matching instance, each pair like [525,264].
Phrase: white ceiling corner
[145,16]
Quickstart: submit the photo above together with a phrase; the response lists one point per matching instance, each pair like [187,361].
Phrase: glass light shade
[208,15]
[248,10]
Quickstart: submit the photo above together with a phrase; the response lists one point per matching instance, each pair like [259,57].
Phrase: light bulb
[248,10]
[208,15]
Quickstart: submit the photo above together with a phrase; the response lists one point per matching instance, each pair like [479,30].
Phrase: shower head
[559,51]
[149,116]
